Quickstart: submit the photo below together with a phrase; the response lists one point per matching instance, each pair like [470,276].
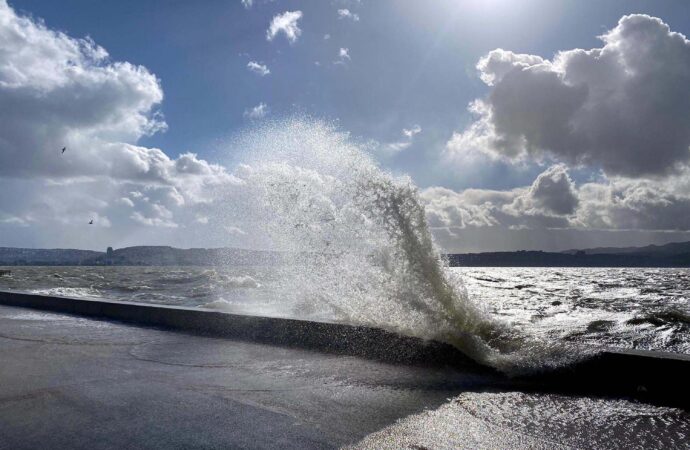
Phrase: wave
[361,248]
[243,281]
[220,304]
[75,292]
[661,318]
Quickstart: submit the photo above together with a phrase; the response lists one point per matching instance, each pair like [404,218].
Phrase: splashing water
[360,248]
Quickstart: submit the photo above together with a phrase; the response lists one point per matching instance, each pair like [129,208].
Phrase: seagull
[91,222]
[64,149]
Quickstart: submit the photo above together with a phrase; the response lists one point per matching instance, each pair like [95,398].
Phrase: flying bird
[64,149]
[91,222]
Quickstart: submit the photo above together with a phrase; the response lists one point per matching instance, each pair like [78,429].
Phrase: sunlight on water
[536,421]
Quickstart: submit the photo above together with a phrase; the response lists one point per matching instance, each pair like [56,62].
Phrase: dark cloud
[624,107]
[554,191]
[554,201]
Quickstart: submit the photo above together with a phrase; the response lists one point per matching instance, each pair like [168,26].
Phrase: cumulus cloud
[554,201]
[285,23]
[548,203]
[257,112]
[554,191]
[627,204]
[345,13]
[158,216]
[247,3]
[257,68]
[623,107]
[58,91]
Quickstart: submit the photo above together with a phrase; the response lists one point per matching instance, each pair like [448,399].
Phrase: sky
[538,124]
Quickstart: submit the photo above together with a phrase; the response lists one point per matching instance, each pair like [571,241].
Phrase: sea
[637,308]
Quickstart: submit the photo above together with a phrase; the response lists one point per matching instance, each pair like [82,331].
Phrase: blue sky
[411,67]
[412,62]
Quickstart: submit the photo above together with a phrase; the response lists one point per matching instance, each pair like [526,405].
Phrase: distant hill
[171,256]
[10,256]
[135,256]
[670,255]
[674,248]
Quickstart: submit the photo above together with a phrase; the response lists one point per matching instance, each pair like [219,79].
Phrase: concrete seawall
[655,377]
[334,338]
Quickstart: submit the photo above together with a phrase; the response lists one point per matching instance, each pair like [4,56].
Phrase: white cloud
[58,91]
[63,92]
[7,219]
[345,13]
[343,56]
[636,204]
[247,3]
[326,37]
[153,221]
[526,207]
[392,148]
[412,132]
[285,23]
[554,201]
[624,107]
[257,68]
[126,201]
[257,112]
[234,231]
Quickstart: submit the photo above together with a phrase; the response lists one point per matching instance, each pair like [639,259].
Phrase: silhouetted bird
[91,222]
[64,149]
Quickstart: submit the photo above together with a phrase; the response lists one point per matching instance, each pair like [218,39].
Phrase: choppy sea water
[612,307]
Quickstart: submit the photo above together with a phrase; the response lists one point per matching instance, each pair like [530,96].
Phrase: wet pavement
[74,382]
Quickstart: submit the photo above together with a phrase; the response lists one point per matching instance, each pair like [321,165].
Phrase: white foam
[220,304]
[76,292]
[244,281]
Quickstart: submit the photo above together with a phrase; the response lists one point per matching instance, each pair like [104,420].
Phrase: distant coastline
[135,256]
[549,259]
[670,255]
[676,254]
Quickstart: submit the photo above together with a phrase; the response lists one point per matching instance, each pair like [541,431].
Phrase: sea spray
[359,247]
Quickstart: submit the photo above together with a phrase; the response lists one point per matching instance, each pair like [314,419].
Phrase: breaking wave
[360,247]
[75,292]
